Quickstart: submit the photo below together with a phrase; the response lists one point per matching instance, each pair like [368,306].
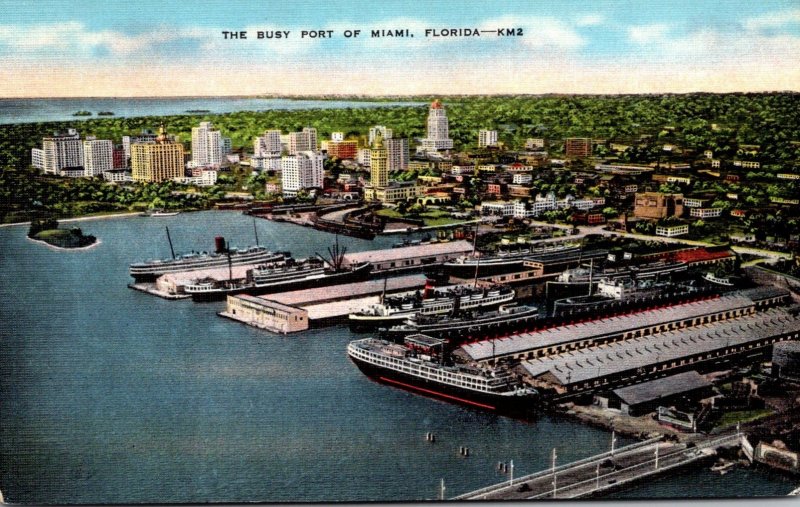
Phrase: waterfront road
[592,476]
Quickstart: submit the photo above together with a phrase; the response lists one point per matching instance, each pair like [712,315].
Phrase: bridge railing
[507,484]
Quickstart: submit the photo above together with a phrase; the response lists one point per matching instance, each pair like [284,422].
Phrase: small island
[198,110]
[105,113]
[47,231]
[82,113]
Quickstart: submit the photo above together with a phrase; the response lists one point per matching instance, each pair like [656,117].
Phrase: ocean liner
[500,262]
[418,365]
[466,325]
[149,271]
[283,275]
[396,309]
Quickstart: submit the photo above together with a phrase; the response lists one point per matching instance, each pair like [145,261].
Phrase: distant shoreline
[81,219]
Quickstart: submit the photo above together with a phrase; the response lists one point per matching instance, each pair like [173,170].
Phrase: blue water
[39,110]
[108,395]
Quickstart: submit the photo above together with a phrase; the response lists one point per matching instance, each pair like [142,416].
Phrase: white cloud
[648,34]
[773,20]
[590,20]
[74,38]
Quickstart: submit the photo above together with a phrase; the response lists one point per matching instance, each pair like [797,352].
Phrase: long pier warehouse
[627,349]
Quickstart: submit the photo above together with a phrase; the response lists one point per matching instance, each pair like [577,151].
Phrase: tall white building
[98,156]
[37,158]
[268,145]
[61,151]
[397,150]
[146,136]
[300,171]
[364,156]
[386,133]
[487,138]
[303,141]
[438,129]
[206,145]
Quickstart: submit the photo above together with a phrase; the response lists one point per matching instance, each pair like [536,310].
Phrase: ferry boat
[468,325]
[418,365]
[582,275]
[150,270]
[395,310]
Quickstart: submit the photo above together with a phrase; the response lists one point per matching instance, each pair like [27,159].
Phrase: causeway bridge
[609,470]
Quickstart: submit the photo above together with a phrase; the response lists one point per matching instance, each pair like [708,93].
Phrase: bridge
[597,474]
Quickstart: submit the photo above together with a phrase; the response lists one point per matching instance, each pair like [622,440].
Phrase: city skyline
[160,49]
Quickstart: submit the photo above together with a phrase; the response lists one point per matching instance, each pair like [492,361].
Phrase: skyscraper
[487,138]
[98,156]
[438,129]
[300,171]
[206,145]
[385,132]
[268,145]
[159,160]
[397,151]
[61,151]
[303,141]
[379,164]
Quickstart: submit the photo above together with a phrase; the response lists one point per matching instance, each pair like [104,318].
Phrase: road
[592,476]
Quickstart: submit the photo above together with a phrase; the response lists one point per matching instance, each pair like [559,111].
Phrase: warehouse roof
[409,252]
[603,327]
[662,388]
[614,358]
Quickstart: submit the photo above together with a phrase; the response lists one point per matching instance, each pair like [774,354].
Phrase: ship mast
[255,230]
[230,262]
[172,250]
[478,261]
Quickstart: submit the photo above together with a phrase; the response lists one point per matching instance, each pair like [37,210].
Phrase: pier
[598,474]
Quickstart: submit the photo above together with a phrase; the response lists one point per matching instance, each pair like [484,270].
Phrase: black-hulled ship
[433,301]
[420,365]
[284,275]
[149,271]
[501,262]
[466,325]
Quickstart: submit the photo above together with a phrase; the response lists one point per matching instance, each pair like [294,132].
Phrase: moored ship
[500,262]
[149,271]
[278,277]
[418,365]
[395,310]
[468,325]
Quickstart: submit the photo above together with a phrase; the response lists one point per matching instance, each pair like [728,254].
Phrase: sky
[79,48]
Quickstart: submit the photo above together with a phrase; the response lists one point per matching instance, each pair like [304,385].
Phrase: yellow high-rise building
[159,161]
[379,163]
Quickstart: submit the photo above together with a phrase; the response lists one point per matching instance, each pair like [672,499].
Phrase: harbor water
[109,395]
[63,109]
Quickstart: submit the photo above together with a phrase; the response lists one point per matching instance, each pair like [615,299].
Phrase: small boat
[164,213]
[723,468]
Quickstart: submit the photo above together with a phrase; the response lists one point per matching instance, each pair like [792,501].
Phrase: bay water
[108,395]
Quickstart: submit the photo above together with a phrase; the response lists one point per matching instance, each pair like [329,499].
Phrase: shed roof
[665,387]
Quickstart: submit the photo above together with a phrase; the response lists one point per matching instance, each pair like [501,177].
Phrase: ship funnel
[429,285]
[219,243]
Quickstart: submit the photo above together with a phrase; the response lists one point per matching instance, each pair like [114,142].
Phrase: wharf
[596,475]
[315,307]
[152,289]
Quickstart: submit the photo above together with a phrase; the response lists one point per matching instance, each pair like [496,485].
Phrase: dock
[298,310]
[603,472]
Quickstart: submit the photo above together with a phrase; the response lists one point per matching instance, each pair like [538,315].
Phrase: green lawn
[53,233]
[742,416]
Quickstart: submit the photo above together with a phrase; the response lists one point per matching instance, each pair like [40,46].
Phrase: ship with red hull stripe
[418,366]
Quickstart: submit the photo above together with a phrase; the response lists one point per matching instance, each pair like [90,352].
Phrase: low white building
[205,179]
[522,178]
[705,212]
[670,231]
